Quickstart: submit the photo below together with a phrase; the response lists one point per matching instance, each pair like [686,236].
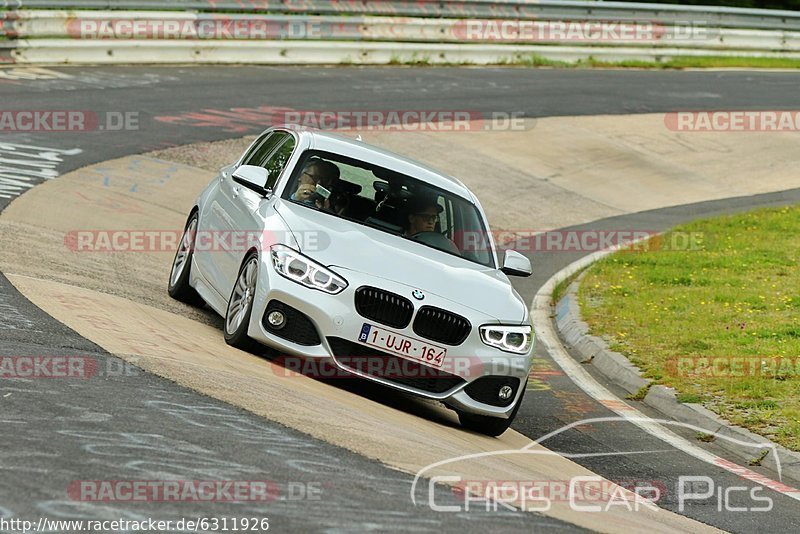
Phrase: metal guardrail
[131,52]
[381,31]
[108,25]
[727,17]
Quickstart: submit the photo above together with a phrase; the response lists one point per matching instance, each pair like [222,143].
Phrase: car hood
[336,242]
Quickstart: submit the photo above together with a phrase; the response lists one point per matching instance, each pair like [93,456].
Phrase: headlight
[298,268]
[516,339]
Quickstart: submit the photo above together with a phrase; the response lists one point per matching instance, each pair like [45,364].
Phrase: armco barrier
[90,24]
[725,17]
[54,51]
[440,32]
[6,52]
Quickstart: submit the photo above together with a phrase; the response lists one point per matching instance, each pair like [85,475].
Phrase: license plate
[407,347]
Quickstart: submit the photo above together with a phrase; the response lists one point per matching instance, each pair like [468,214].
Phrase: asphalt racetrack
[135,425]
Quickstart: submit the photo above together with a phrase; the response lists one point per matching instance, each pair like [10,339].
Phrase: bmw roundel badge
[417,294]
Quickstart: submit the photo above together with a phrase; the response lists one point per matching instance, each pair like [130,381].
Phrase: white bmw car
[326,248]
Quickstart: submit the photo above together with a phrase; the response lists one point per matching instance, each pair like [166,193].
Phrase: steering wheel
[436,240]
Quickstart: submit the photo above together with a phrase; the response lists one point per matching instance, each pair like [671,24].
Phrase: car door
[215,218]
[239,204]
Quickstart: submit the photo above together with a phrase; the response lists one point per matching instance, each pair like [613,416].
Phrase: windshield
[391,202]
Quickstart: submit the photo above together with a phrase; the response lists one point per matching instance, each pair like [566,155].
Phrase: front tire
[240,306]
[178,287]
[490,426]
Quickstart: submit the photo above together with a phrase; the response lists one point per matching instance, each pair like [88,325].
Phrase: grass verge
[561,288]
[704,62]
[697,62]
[712,309]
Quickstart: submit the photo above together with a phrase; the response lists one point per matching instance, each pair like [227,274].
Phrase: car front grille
[384,307]
[441,325]
[298,327]
[391,368]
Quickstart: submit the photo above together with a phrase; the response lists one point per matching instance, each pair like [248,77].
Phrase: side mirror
[252,177]
[515,264]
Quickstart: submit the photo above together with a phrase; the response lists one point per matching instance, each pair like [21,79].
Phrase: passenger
[423,214]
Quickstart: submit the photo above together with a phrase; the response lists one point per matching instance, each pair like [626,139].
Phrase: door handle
[235,192]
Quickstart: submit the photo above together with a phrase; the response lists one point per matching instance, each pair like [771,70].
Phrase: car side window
[253,147]
[259,154]
[277,162]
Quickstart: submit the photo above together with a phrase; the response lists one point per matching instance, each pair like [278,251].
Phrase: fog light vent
[494,390]
[276,319]
[289,323]
[505,393]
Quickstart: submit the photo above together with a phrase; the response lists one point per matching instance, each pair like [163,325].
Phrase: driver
[423,214]
[316,172]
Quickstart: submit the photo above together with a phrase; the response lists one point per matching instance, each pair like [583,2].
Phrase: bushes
[792,5]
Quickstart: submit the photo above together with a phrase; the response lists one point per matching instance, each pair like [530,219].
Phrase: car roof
[346,146]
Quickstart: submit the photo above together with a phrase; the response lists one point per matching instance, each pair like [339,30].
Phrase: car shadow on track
[428,409]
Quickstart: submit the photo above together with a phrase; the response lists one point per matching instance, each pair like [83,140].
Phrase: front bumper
[472,368]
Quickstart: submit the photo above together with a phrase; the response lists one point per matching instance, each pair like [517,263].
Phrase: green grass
[414,60]
[705,62]
[705,438]
[535,60]
[760,458]
[561,288]
[733,300]
[639,395]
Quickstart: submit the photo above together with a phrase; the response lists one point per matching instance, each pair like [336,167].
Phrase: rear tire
[178,286]
[240,306]
[490,426]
